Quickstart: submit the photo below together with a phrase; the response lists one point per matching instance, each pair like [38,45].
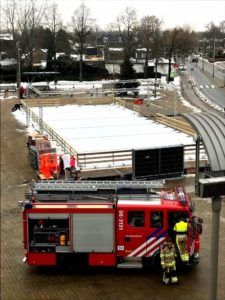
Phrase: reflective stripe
[167,259]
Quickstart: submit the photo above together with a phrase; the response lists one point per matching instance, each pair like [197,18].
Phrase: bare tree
[11,20]
[222,26]
[54,23]
[30,16]
[82,26]
[177,40]
[127,27]
[212,29]
[148,37]
[214,32]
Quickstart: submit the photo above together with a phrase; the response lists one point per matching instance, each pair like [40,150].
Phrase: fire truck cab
[120,224]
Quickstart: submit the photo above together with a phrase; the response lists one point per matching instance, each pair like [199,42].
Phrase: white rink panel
[96,128]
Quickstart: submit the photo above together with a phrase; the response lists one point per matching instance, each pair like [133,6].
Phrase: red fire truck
[104,223]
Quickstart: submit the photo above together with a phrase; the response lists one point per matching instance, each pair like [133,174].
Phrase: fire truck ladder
[72,186]
[64,191]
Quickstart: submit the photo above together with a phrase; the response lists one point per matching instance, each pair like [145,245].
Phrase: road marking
[212,86]
[206,86]
[201,86]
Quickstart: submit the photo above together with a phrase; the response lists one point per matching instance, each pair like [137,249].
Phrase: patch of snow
[116,49]
[6,36]
[8,62]
[2,98]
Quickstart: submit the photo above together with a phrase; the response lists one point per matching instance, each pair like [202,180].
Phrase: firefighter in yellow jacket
[181,229]
[168,262]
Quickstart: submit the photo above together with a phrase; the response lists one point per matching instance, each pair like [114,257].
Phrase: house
[114,55]
[39,57]
[140,54]
[163,66]
[94,52]
[7,46]
[109,39]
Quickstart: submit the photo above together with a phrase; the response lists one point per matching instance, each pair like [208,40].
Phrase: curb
[201,96]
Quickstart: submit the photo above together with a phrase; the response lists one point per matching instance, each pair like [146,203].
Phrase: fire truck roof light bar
[95,185]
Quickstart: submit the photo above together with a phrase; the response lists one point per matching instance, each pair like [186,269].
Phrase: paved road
[189,94]
[209,68]
[206,85]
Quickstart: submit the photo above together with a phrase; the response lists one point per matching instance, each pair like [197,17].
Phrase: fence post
[27,116]
[77,160]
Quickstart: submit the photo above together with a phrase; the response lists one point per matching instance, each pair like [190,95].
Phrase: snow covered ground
[96,128]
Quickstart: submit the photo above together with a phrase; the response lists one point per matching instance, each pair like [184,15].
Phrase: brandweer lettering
[121,214]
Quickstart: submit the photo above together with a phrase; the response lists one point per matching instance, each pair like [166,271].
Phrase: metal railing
[66,147]
[123,158]
[176,124]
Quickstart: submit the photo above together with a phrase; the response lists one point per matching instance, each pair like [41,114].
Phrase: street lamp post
[196,61]
[158,34]
[214,50]
[156,61]
[203,41]
[114,78]
[18,71]
[203,54]
[213,187]
[174,102]
[203,65]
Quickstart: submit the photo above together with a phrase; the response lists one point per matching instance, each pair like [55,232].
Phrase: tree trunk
[81,63]
[146,65]
[169,69]
[31,59]
[55,64]
[81,69]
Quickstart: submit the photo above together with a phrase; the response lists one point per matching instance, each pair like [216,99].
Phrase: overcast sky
[196,13]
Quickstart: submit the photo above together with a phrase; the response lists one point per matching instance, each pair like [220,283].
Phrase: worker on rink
[72,161]
[168,262]
[180,229]
[61,166]
[21,92]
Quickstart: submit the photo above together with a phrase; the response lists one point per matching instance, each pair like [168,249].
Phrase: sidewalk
[219,65]
[217,82]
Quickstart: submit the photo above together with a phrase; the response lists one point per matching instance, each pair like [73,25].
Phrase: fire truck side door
[134,233]
[156,230]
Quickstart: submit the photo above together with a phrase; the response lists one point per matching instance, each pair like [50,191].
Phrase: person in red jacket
[21,91]
[72,161]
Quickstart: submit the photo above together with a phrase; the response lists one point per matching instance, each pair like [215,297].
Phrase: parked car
[182,67]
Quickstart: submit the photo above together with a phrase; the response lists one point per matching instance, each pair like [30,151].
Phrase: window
[136,218]
[156,219]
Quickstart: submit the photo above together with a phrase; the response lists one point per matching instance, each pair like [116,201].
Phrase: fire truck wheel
[152,262]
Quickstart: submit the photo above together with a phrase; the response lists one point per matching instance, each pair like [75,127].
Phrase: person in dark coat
[16,106]
[61,166]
